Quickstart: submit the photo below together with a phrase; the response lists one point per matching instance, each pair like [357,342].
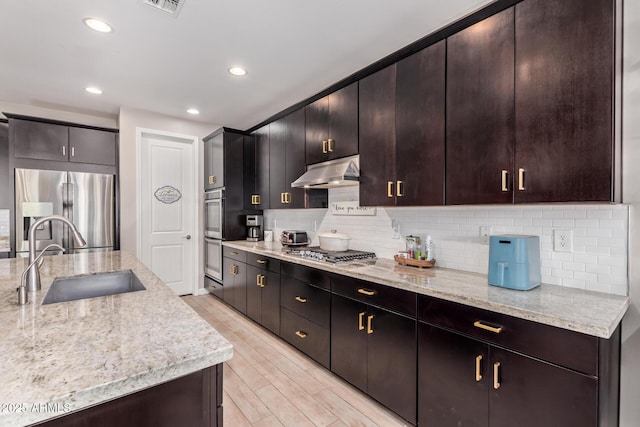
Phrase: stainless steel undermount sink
[92,285]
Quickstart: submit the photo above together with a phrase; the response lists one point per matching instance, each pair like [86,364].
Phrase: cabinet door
[229,280]
[564,93]
[480,113]
[343,122]
[295,165]
[453,379]
[420,127]
[391,361]
[317,130]
[214,162]
[277,163]
[92,146]
[36,140]
[262,167]
[235,284]
[533,393]
[376,120]
[254,293]
[349,341]
[249,172]
[270,301]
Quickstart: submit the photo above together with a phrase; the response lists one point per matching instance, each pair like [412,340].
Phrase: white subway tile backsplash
[600,235]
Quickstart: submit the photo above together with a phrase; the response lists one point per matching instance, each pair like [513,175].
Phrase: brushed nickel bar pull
[478,368]
[330,141]
[366,292]
[389,188]
[360,323]
[496,375]
[495,330]
[324,147]
[261,261]
[521,179]
[301,334]
[300,299]
[399,185]
[505,185]
[370,324]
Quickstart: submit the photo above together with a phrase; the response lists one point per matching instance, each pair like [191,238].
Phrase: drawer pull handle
[261,261]
[300,299]
[366,292]
[478,367]
[496,375]
[301,334]
[495,330]
[233,253]
[234,269]
[360,321]
[370,324]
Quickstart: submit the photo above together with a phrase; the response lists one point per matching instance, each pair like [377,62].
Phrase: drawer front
[306,300]
[316,277]
[566,348]
[235,254]
[306,336]
[262,261]
[387,297]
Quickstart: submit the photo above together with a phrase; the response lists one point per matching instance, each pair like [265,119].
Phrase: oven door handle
[211,240]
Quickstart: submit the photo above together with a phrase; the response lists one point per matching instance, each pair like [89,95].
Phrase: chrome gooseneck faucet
[33,274]
[23,296]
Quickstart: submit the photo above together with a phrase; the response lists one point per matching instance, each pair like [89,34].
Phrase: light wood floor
[270,383]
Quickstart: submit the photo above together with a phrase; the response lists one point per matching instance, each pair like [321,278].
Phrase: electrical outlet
[563,240]
[485,232]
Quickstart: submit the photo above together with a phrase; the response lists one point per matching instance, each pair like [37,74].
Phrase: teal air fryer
[514,261]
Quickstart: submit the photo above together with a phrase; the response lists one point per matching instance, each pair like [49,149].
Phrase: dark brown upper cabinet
[402,127]
[257,157]
[286,161]
[332,126]
[49,141]
[564,100]
[480,113]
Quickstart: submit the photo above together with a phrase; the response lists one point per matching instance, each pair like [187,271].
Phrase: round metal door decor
[168,194]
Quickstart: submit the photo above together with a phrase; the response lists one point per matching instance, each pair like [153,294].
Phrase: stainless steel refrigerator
[86,199]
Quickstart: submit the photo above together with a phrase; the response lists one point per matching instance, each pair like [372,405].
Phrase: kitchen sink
[92,285]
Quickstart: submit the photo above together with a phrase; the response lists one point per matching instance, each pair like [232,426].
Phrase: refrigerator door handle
[67,211]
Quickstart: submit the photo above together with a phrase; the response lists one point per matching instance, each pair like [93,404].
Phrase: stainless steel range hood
[334,173]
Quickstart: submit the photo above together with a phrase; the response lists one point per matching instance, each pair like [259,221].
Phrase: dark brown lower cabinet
[235,284]
[194,400]
[467,382]
[375,350]
[263,297]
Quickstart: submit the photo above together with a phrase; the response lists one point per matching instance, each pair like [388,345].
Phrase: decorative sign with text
[351,208]
[168,194]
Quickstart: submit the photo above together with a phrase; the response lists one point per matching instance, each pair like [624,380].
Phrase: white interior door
[167,208]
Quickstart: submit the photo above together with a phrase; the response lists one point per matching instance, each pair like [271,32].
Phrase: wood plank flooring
[270,383]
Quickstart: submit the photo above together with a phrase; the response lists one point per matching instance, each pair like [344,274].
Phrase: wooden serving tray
[414,262]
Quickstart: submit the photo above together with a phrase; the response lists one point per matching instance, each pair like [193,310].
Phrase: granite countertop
[62,357]
[588,312]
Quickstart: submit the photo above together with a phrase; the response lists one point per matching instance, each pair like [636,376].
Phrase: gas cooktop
[315,253]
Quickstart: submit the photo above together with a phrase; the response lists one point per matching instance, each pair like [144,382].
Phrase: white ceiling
[292,49]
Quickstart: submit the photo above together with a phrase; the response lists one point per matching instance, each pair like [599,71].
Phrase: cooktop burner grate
[315,253]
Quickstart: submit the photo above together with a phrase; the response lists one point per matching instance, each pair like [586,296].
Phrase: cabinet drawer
[566,348]
[262,261]
[306,300]
[375,294]
[235,254]
[306,336]
[312,276]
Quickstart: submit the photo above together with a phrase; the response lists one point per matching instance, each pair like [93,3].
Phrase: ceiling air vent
[172,7]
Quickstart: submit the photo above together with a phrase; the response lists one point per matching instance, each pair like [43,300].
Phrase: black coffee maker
[255,228]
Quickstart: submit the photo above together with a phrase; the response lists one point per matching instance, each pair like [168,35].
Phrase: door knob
[188,237]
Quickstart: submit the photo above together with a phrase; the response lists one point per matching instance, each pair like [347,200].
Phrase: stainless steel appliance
[86,199]
[213,236]
[214,213]
[255,228]
[213,258]
[294,238]
[315,253]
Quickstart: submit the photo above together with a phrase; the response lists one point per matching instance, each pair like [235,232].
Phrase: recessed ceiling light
[97,25]
[93,90]
[193,111]
[237,71]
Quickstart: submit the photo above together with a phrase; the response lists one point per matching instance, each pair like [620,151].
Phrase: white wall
[630,381]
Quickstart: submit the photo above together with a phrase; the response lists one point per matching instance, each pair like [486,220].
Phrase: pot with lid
[334,241]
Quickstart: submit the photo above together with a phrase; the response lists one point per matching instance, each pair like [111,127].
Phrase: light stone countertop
[63,357]
[588,312]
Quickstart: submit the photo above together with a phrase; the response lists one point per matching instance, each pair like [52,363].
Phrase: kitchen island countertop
[588,312]
[63,357]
